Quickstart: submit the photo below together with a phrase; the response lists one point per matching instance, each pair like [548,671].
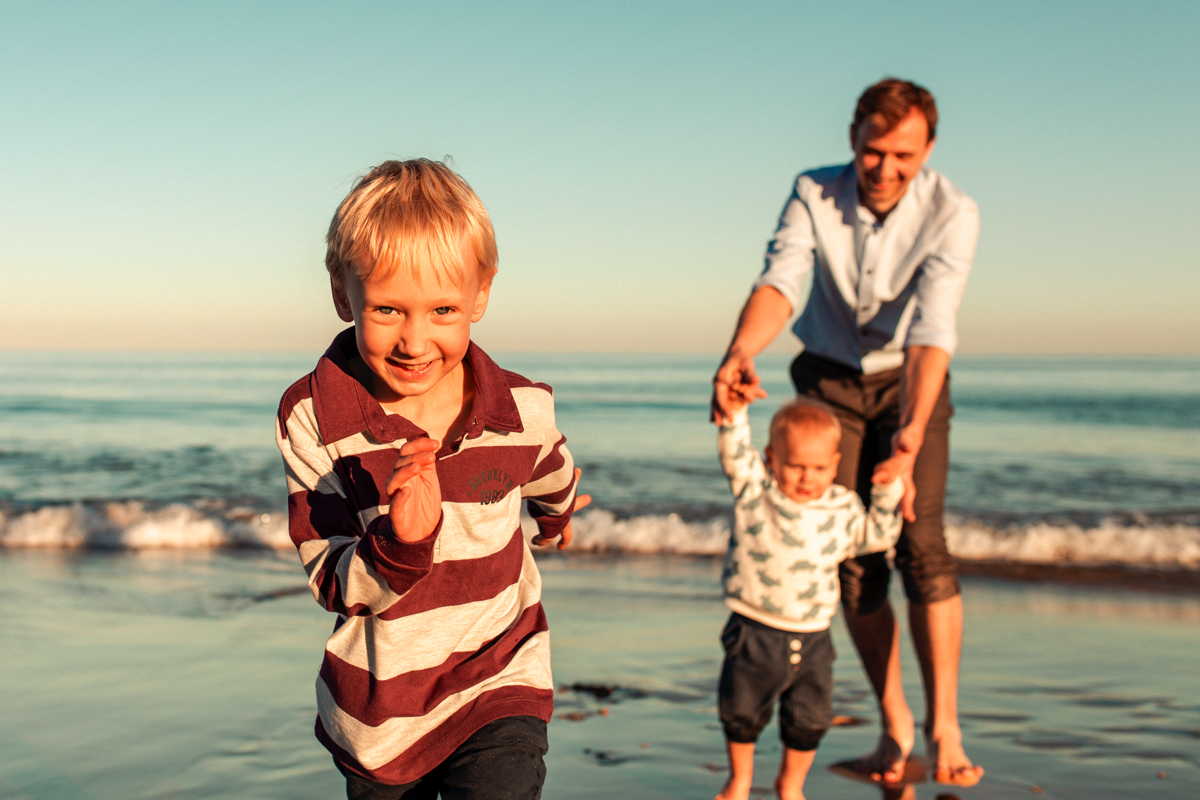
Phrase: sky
[170,169]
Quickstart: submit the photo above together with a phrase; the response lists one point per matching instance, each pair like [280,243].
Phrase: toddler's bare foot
[949,761]
[787,790]
[735,790]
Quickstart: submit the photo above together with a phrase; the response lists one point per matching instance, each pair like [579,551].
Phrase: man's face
[887,161]
[804,461]
[412,331]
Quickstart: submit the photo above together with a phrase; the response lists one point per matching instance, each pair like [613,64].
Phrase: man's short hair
[403,212]
[806,412]
[893,99]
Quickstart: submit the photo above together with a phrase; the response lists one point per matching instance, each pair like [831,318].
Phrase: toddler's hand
[414,491]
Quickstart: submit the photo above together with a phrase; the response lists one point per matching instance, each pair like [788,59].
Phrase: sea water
[1086,460]
[143,656]
[188,675]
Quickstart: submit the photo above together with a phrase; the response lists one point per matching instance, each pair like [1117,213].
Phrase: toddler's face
[804,461]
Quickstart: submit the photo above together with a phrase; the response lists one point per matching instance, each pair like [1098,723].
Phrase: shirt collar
[867,217]
[344,407]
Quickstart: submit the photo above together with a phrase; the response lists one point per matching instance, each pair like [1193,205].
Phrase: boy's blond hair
[806,412]
[404,212]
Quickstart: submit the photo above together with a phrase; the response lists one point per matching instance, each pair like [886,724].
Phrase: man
[889,243]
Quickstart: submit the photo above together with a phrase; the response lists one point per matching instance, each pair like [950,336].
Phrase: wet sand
[189,675]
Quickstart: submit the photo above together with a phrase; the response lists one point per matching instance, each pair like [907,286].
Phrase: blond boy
[408,452]
[792,526]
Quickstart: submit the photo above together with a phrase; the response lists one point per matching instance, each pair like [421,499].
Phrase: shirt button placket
[865,269]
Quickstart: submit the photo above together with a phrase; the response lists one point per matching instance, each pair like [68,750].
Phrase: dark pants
[501,761]
[763,665]
[868,406]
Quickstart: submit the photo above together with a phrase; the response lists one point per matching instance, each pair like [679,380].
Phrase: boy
[408,452]
[791,528]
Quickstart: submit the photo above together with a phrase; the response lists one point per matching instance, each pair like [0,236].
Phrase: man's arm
[921,382]
[761,320]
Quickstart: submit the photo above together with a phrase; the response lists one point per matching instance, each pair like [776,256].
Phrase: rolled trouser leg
[925,564]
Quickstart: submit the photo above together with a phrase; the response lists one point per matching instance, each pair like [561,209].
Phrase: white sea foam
[1061,543]
[130,525]
[1173,543]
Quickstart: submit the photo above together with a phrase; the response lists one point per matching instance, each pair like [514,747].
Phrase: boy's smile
[413,327]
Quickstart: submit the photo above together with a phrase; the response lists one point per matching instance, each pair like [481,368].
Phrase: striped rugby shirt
[781,568]
[437,638]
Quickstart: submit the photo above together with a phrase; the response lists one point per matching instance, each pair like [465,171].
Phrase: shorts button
[795,644]
[794,658]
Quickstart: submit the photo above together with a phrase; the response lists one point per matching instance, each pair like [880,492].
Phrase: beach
[157,639]
[188,674]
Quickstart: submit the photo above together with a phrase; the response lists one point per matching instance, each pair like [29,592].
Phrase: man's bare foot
[735,790]
[888,762]
[949,763]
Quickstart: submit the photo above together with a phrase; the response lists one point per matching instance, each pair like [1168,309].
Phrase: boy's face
[412,332]
[804,461]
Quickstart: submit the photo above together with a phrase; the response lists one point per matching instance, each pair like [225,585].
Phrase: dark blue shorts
[500,761]
[764,665]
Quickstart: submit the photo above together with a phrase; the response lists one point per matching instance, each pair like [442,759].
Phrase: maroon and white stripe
[433,639]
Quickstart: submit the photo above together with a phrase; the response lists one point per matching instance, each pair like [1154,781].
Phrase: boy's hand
[581,501]
[414,491]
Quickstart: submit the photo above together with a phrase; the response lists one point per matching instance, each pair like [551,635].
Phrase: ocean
[157,638]
[1054,460]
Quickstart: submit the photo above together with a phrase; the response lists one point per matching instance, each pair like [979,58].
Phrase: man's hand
[905,445]
[581,501]
[921,382]
[761,320]
[736,384]
[414,491]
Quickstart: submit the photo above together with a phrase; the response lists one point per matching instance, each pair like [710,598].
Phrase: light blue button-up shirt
[876,287]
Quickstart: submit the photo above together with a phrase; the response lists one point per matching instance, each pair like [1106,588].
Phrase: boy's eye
[386,310]
[442,311]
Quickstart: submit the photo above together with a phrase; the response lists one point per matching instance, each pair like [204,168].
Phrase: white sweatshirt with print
[781,568]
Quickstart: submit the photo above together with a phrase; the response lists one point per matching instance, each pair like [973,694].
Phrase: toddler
[792,526]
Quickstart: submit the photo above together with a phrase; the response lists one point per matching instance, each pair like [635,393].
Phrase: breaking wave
[1144,541]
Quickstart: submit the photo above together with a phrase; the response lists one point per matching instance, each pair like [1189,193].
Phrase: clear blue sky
[170,168]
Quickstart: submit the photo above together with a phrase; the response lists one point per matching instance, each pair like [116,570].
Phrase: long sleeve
[551,489]
[943,280]
[355,563]
[791,251]
[879,526]
[739,460]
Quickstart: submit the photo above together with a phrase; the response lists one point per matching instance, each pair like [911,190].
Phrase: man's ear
[929,150]
[341,301]
[481,302]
